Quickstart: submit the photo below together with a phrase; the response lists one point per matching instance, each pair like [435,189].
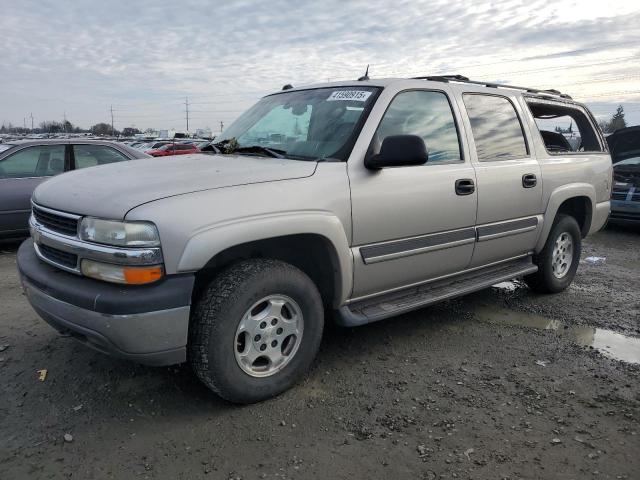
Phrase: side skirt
[402,301]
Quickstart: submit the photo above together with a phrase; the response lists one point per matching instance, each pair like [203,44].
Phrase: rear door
[508,176]
[20,173]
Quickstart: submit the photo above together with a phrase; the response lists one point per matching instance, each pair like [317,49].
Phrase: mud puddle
[609,343]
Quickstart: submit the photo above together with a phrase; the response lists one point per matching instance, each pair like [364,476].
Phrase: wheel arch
[315,243]
[576,200]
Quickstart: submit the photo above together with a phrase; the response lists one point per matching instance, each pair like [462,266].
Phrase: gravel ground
[438,393]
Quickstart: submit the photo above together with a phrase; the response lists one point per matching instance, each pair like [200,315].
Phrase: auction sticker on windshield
[353,95]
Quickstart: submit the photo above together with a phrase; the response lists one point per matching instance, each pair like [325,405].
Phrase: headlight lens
[121,273]
[119,234]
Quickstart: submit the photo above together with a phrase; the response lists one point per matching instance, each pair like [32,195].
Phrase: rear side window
[428,115]
[564,128]
[496,128]
[39,161]
[92,155]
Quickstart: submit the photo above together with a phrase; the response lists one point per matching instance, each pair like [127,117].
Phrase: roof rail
[463,79]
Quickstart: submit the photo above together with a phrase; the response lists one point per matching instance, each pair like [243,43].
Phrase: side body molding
[557,197]
[205,243]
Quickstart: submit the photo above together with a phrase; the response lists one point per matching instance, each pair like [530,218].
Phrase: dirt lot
[452,391]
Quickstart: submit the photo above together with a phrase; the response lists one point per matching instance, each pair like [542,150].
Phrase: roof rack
[463,79]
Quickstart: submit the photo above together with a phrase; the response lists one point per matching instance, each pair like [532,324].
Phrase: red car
[174,149]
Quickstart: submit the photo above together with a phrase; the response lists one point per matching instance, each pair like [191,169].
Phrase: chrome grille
[55,222]
[59,257]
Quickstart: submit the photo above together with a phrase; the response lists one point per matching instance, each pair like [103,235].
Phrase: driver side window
[428,115]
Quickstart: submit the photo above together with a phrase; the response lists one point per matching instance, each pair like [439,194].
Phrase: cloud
[145,57]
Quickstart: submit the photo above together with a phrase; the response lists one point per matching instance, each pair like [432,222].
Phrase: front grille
[58,256]
[625,197]
[56,223]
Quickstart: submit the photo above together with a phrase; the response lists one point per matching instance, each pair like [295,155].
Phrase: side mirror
[399,151]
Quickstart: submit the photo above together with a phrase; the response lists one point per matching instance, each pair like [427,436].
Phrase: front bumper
[147,324]
[625,211]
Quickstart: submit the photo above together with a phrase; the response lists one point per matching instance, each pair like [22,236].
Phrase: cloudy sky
[144,57]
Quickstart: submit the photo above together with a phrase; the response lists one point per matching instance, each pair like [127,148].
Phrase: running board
[396,303]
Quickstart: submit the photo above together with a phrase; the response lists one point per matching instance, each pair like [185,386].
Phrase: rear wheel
[255,330]
[558,260]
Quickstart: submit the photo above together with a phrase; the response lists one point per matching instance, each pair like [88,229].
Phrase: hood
[110,191]
[624,143]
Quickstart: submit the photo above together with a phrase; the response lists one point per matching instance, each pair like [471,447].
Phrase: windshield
[4,147]
[307,124]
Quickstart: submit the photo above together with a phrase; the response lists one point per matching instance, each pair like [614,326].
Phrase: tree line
[52,126]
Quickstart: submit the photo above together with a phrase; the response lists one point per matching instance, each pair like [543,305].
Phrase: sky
[78,59]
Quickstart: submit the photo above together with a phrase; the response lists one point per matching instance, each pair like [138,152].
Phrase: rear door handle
[529,180]
[465,186]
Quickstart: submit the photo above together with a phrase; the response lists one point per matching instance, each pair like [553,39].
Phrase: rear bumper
[145,324]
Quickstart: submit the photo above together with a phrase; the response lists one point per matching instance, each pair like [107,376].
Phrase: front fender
[205,243]
[557,197]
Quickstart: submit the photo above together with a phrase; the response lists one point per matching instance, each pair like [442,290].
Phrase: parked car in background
[624,145]
[153,145]
[174,149]
[26,164]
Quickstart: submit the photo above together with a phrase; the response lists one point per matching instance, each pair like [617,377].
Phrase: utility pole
[64,122]
[221,126]
[24,123]
[186,110]
[31,122]
[112,130]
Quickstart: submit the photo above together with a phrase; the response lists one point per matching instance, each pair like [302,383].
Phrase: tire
[233,301]
[546,279]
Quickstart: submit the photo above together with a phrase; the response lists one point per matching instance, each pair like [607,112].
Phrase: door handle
[465,186]
[529,180]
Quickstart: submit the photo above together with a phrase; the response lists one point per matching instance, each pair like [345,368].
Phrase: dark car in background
[624,145]
[174,149]
[26,164]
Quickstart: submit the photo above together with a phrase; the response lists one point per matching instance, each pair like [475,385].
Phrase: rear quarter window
[565,128]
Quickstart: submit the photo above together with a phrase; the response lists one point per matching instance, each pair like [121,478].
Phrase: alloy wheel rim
[268,335]
[562,257]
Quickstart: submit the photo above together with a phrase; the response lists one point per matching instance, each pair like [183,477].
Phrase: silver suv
[363,199]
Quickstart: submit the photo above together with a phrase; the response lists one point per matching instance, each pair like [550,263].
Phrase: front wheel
[558,260]
[255,330]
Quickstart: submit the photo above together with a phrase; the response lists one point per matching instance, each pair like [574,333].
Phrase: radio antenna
[366,75]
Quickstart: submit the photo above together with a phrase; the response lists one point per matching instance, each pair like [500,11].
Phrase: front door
[509,178]
[409,223]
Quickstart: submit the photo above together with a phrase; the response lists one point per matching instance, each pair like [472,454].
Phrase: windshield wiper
[272,152]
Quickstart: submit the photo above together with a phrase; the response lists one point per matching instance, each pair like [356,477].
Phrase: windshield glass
[4,147]
[305,124]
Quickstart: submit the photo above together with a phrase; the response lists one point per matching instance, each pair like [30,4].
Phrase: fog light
[122,273]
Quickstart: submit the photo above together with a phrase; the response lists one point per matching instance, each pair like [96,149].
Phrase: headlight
[119,234]
[121,273]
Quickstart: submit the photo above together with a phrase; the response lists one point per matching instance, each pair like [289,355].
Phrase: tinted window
[496,128]
[92,155]
[428,115]
[41,161]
